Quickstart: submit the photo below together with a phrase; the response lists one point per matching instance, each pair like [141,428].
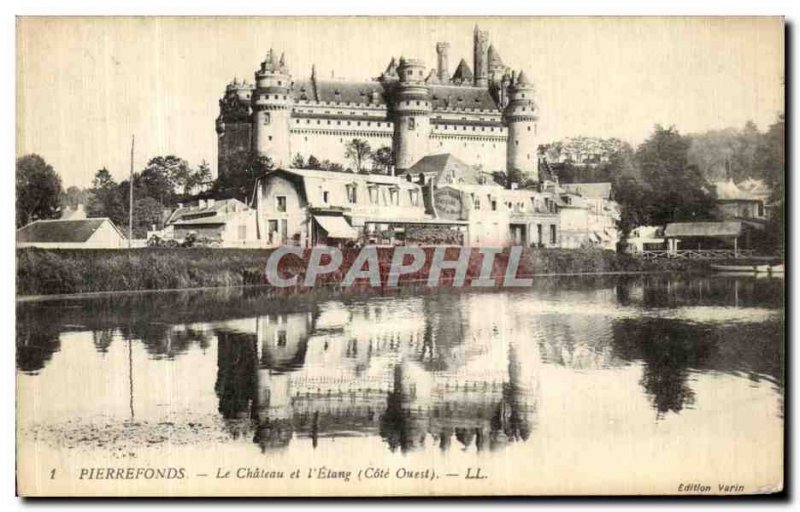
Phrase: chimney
[480,57]
[442,70]
[514,185]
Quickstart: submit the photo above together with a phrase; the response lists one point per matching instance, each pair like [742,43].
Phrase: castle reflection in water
[454,369]
[408,372]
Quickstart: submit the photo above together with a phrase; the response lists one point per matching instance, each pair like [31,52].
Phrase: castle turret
[412,109]
[272,105]
[520,116]
[480,63]
[442,50]
[234,124]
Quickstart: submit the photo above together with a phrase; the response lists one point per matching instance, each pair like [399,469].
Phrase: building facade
[308,207]
[487,118]
[225,223]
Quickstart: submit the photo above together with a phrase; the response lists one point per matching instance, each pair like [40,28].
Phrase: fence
[697,254]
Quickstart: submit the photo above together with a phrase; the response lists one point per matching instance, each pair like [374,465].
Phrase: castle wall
[488,152]
[329,143]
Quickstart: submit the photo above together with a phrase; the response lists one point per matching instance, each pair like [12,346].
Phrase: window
[373,195]
[351,193]
[413,196]
[394,196]
[325,196]
[280,338]
[266,119]
[412,123]
[552,234]
[280,203]
[477,204]
[494,205]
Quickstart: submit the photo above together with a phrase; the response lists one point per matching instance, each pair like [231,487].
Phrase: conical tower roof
[463,73]
[522,79]
[493,56]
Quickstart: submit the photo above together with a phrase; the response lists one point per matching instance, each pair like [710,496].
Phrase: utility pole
[130,198]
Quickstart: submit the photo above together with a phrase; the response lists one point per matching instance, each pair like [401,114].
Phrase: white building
[309,207]
[97,233]
[227,223]
[500,217]
[588,216]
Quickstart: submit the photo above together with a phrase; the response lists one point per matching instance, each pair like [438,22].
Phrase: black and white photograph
[405,256]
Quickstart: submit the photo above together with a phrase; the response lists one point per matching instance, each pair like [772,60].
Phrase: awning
[336,227]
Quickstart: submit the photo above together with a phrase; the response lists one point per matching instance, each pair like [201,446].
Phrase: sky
[85,85]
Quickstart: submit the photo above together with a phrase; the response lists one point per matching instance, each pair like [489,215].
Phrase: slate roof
[191,214]
[454,96]
[341,91]
[440,166]
[463,73]
[703,229]
[62,231]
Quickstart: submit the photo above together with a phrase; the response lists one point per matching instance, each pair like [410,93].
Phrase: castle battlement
[486,116]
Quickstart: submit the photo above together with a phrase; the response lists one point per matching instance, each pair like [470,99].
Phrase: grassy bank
[47,272]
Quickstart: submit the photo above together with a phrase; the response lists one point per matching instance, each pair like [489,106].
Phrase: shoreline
[62,274]
[326,286]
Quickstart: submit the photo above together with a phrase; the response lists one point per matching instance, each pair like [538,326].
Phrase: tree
[358,151]
[327,165]
[38,190]
[106,200]
[199,176]
[74,196]
[241,176]
[298,162]
[383,159]
[674,190]
[313,163]
[147,212]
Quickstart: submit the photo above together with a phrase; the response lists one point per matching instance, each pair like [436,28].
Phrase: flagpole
[130,198]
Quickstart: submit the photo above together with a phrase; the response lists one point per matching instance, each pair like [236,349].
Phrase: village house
[226,222]
[645,238]
[97,233]
[500,217]
[589,216]
[309,207]
[438,205]
[747,202]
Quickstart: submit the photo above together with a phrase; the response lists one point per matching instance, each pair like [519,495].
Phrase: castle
[486,117]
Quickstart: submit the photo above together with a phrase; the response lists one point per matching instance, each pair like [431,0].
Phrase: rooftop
[62,231]
[703,229]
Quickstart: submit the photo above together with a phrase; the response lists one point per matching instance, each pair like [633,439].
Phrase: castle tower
[234,124]
[412,110]
[520,117]
[272,105]
[442,49]
[480,62]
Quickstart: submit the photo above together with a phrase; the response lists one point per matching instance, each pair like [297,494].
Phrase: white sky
[86,84]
